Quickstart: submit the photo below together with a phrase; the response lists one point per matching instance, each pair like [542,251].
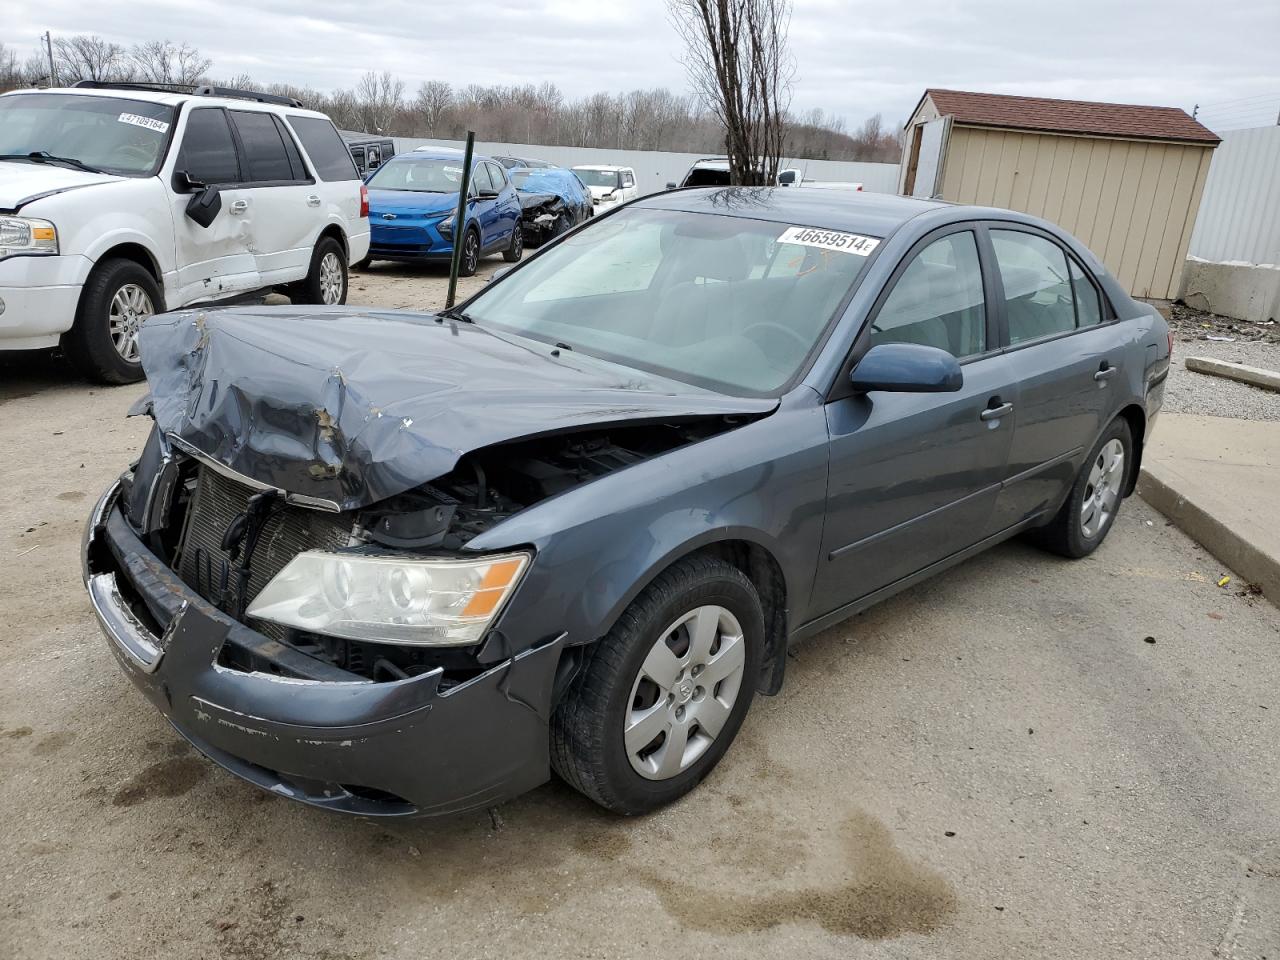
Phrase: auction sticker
[150,123]
[830,240]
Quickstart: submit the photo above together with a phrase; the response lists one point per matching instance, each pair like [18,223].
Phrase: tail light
[364,201]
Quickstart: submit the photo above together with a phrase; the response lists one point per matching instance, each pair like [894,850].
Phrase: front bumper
[39,296]
[340,742]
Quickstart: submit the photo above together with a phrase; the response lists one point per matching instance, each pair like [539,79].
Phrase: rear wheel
[1090,510]
[662,696]
[326,281]
[103,342]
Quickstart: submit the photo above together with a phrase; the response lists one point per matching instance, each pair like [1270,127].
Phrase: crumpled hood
[22,182]
[531,201]
[356,406]
[410,201]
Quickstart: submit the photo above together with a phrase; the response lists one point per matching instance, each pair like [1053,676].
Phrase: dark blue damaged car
[395,563]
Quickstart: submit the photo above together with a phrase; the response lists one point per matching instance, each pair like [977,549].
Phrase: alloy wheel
[129,308]
[684,693]
[330,279]
[471,252]
[1102,490]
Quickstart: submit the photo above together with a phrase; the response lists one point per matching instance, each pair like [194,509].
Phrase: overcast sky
[853,58]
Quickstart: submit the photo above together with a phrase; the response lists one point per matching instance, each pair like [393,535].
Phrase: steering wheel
[769,327]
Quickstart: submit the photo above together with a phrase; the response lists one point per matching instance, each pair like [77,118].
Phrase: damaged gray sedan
[395,563]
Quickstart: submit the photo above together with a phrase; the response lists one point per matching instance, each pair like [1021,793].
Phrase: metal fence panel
[654,170]
[1239,220]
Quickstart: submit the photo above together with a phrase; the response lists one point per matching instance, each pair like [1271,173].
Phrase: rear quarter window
[328,152]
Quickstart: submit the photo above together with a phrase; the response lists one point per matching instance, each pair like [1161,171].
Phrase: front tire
[514,252]
[103,342]
[663,694]
[470,260]
[1091,508]
[326,281]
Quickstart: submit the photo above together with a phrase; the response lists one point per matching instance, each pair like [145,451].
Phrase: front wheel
[469,263]
[326,281]
[663,694]
[103,342]
[1091,507]
[514,252]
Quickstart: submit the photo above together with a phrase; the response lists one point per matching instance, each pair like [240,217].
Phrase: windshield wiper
[44,156]
[456,314]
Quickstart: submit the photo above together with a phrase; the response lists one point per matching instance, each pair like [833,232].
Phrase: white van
[609,185]
[122,200]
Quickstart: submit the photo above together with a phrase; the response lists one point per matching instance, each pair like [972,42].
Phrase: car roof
[599,166]
[440,153]
[171,99]
[871,214]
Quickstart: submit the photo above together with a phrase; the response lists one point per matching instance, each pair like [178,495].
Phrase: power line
[1223,103]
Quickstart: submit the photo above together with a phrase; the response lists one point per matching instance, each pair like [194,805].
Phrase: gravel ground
[1257,345]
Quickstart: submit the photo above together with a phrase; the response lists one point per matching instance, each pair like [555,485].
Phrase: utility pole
[48,45]
[1194,111]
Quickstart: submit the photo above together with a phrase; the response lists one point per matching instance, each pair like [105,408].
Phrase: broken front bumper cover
[337,741]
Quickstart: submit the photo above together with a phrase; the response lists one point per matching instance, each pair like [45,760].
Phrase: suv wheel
[103,342]
[470,261]
[662,696]
[326,281]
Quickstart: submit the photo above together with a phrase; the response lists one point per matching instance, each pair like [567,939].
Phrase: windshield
[419,175]
[719,301]
[114,135]
[599,178]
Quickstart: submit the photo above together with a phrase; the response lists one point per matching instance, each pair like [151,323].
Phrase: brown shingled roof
[1071,116]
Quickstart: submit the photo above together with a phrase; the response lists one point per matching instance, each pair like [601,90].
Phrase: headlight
[445,226]
[24,235]
[381,599]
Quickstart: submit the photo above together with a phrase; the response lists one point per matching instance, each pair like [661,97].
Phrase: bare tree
[433,98]
[739,64]
[163,61]
[11,74]
[88,57]
[380,98]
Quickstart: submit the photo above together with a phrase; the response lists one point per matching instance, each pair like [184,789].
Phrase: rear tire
[103,342]
[700,620]
[326,281]
[1091,508]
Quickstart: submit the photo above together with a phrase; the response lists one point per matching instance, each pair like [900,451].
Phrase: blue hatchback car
[413,202]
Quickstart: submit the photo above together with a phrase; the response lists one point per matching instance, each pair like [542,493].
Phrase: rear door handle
[1105,372]
[995,413]
[313,201]
[239,206]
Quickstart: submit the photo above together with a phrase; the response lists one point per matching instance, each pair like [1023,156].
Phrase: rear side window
[1088,305]
[1037,290]
[264,150]
[326,149]
[937,301]
[208,153]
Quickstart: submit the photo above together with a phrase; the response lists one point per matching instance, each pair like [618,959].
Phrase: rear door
[914,478]
[217,260]
[1065,348]
[335,180]
[282,201]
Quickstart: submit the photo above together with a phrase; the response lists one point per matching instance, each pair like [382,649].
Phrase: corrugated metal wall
[1131,202]
[654,170]
[1239,218]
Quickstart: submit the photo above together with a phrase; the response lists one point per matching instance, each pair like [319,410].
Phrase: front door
[914,478]
[1067,360]
[217,260]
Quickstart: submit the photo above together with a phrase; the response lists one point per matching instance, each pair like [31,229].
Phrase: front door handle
[239,206]
[313,201]
[995,413]
[1105,372]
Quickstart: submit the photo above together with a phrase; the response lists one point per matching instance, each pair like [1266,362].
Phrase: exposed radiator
[206,567]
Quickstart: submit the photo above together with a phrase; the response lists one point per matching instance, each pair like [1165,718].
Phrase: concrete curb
[1230,546]
[1254,376]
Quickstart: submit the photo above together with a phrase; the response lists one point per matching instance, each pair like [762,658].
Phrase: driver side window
[208,153]
[937,301]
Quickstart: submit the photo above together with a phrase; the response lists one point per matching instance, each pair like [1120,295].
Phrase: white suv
[609,185]
[118,201]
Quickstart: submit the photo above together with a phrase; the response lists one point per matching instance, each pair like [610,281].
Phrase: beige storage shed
[1125,179]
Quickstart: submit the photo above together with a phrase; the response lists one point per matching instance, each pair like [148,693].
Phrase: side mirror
[907,368]
[204,205]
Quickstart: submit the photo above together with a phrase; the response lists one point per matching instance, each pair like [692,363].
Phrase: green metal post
[460,221]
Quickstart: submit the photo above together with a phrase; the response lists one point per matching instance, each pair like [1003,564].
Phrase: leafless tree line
[655,119]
